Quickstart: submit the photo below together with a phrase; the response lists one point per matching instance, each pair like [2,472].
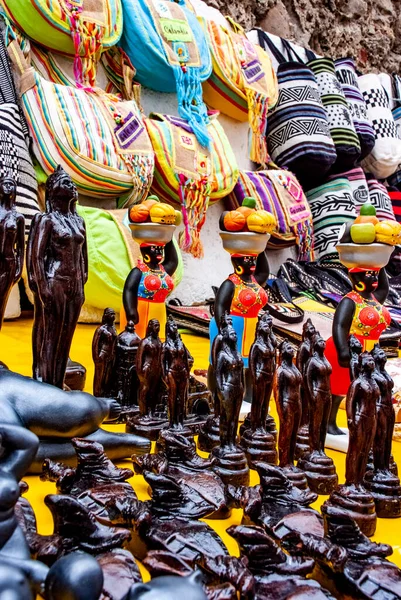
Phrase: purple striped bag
[280,193]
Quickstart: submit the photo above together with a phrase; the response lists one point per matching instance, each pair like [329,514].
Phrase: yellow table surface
[15,345]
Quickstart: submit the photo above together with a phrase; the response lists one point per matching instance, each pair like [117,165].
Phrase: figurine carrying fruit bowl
[152,225]
[364,247]
[244,233]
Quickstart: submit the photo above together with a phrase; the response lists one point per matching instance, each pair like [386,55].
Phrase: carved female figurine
[262,364]
[317,377]
[243,296]
[303,355]
[230,385]
[125,384]
[385,412]
[57,266]
[12,242]
[360,313]
[148,366]
[287,395]
[103,347]
[148,285]
[176,370]
[355,349]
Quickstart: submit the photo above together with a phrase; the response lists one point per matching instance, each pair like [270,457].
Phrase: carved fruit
[363,233]
[151,201]
[162,213]
[388,232]
[261,221]
[234,221]
[248,206]
[178,217]
[139,213]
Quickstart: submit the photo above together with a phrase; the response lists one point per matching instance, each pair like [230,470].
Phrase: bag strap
[291,53]
[396,81]
[264,40]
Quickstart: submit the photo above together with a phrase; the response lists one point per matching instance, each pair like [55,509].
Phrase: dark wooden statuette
[287,394]
[103,348]
[353,498]
[319,468]
[303,355]
[56,417]
[149,422]
[12,242]
[230,461]
[124,380]
[355,349]
[258,443]
[382,483]
[57,265]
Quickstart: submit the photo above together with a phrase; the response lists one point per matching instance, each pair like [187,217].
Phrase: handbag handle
[396,80]
[264,40]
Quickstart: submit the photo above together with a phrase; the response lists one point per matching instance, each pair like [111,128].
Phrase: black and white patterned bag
[385,157]
[15,160]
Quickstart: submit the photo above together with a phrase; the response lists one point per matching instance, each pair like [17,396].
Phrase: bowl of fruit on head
[368,242]
[152,221]
[246,230]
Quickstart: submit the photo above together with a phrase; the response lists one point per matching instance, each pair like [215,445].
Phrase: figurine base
[270,426]
[386,491]
[231,465]
[147,426]
[302,446]
[259,446]
[338,442]
[320,472]
[358,504]
[296,476]
[178,430]
[209,436]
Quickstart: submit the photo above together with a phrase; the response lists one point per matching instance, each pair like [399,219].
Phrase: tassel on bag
[194,197]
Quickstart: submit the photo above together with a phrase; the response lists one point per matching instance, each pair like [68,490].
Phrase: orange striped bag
[188,174]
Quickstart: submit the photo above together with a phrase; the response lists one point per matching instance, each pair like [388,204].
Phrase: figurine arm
[170,262]
[383,286]
[341,328]
[38,252]
[31,238]
[262,269]
[20,447]
[20,247]
[253,357]
[130,295]
[351,402]
[223,300]
[220,370]
[310,377]
[85,263]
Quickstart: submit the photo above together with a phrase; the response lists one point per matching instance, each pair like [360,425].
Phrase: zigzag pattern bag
[188,174]
[278,192]
[15,160]
[79,28]
[243,84]
[298,133]
[168,48]
[100,141]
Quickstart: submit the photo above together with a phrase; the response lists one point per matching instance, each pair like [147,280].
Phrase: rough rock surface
[367,30]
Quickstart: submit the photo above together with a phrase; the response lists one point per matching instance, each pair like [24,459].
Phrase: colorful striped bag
[188,174]
[168,48]
[243,84]
[279,192]
[79,28]
[99,140]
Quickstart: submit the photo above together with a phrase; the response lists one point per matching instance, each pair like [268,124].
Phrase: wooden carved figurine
[318,467]
[176,369]
[362,398]
[355,349]
[125,384]
[148,285]
[57,265]
[103,348]
[12,242]
[259,444]
[231,464]
[303,355]
[148,369]
[382,483]
[287,395]
[360,313]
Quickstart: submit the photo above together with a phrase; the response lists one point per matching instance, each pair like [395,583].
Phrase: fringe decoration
[190,102]
[258,109]
[194,198]
[305,241]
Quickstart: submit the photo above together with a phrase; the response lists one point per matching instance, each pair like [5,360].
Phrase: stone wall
[367,30]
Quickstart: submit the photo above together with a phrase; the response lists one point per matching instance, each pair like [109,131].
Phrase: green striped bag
[188,174]
[99,140]
[79,28]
